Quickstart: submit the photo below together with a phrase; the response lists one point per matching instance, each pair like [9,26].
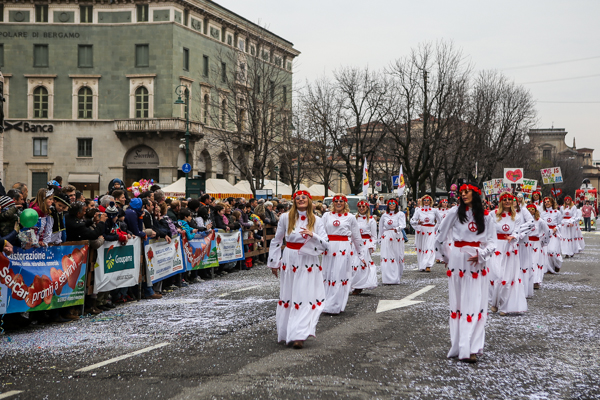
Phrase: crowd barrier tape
[43,278]
[117,266]
[230,246]
[163,259]
[200,253]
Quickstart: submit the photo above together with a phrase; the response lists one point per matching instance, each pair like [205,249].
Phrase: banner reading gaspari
[200,253]
[42,278]
[117,266]
[163,259]
[230,246]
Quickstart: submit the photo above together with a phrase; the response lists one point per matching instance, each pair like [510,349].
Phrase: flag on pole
[401,184]
[366,179]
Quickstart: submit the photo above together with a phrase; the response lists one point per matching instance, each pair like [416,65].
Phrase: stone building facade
[90,88]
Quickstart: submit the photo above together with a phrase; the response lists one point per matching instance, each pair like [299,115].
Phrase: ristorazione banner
[42,278]
[230,246]
[200,253]
[117,266]
[163,259]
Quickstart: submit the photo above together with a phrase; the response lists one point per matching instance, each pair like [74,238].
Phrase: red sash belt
[366,236]
[534,239]
[337,238]
[429,225]
[503,236]
[294,246]
[551,226]
[566,217]
[460,243]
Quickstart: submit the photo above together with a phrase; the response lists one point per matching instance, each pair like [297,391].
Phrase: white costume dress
[553,218]
[467,282]
[342,231]
[568,230]
[392,247]
[364,276]
[578,235]
[425,221]
[538,239]
[507,289]
[301,292]
[525,250]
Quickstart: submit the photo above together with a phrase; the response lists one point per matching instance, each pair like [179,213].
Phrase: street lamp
[186,93]
[276,179]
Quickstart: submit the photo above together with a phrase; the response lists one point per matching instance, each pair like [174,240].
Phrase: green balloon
[28,218]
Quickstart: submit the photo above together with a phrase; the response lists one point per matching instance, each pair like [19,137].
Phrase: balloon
[136,184]
[29,218]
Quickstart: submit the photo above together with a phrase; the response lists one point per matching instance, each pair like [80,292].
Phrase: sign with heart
[556,192]
[513,175]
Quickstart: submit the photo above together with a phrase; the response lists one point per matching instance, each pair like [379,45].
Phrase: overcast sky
[492,35]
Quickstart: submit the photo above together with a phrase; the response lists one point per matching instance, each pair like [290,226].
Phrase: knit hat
[268,203]
[63,198]
[136,204]
[6,201]
[112,210]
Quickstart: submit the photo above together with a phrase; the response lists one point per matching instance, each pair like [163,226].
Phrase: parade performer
[392,245]
[425,221]
[364,276]
[553,217]
[472,239]
[536,200]
[342,231]
[568,228]
[301,292]
[443,209]
[507,290]
[524,246]
[538,239]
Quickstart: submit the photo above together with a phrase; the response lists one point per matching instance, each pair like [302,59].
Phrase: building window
[205,66]
[84,103]
[141,102]
[224,114]
[40,55]
[186,59]
[41,13]
[40,102]
[186,17]
[38,181]
[272,89]
[40,147]
[85,14]
[285,95]
[241,45]
[142,55]
[142,13]
[84,147]
[1,55]
[257,85]
[1,12]
[205,109]
[223,72]
[85,56]
[547,154]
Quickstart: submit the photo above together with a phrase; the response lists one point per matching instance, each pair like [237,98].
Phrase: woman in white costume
[568,228]
[507,289]
[392,244]
[301,292]
[443,209]
[364,276]
[524,245]
[553,217]
[472,238]
[342,232]
[536,200]
[425,220]
[538,239]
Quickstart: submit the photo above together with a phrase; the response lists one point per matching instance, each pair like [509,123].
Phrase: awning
[84,178]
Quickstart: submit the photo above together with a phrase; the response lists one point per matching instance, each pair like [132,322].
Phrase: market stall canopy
[176,189]
[221,188]
[317,190]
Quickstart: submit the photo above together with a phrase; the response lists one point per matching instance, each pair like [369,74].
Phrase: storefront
[141,163]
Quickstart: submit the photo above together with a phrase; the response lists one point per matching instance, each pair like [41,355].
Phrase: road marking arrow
[387,305]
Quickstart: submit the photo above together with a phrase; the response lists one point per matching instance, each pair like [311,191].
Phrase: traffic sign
[186,168]
[395,180]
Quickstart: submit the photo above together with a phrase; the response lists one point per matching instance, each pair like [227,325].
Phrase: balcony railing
[156,125]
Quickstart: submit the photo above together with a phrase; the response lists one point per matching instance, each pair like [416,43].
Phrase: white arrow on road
[387,305]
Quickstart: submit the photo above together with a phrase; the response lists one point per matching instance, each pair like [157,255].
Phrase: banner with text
[230,246]
[551,175]
[42,278]
[199,252]
[117,266]
[163,259]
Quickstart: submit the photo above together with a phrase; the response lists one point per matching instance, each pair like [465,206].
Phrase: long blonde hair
[368,214]
[332,205]
[501,209]
[293,217]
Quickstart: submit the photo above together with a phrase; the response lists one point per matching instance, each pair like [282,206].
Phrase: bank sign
[25,126]
[118,258]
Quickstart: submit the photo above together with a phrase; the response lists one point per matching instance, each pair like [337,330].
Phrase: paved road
[216,340]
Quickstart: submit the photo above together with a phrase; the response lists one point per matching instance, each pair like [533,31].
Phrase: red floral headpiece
[443,201]
[531,207]
[506,195]
[335,198]
[362,203]
[470,187]
[302,192]
[392,201]
[427,196]
[569,197]
[538,193]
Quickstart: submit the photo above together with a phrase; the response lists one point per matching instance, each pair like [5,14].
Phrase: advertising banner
[200,253]
[117,266]
[551,175]
[163,259]
[230,246]
[42,278]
